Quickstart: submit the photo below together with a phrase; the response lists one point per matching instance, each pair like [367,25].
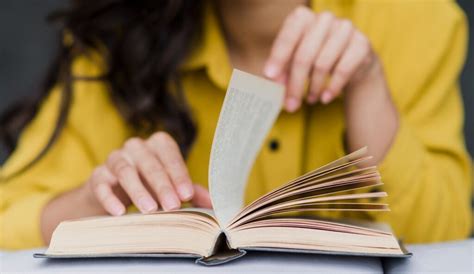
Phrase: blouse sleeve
[92,130]
[427,171]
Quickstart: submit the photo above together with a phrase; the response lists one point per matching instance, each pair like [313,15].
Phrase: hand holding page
[250,109]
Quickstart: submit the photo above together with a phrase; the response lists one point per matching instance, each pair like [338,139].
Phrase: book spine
[222,253]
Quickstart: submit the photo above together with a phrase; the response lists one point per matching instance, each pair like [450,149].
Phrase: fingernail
[170,202]
[312,98]
[326,97]
[147,204]
[270,71]
[186,192]
[292,104]
[118,210]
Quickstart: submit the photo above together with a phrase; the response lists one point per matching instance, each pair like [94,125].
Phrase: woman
[138,85]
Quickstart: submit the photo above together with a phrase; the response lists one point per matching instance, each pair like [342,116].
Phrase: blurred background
[27,44]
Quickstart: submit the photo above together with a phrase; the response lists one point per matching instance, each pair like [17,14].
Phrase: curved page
[250,108]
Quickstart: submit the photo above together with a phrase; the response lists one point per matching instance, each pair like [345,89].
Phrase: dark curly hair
[143,43]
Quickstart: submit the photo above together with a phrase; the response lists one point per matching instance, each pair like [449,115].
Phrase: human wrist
[370,114]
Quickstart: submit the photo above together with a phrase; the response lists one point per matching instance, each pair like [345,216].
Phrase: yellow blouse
[426,172]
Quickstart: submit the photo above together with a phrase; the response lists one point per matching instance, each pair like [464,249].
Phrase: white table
[450,257]
[453,257]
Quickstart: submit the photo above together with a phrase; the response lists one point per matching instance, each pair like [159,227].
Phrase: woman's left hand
[310,48]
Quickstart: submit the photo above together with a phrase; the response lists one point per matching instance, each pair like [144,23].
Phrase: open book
[250,108]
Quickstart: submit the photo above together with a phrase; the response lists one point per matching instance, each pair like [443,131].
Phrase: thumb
[201,197]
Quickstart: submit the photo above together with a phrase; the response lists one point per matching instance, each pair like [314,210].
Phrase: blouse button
[274,145]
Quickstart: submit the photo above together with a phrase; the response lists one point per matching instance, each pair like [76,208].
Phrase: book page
[180,232]
[250,108]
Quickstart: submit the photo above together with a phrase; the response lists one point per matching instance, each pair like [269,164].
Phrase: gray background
[27,43]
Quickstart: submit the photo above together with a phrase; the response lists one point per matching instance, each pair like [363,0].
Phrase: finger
[330,53]
[128,178]
[306,54]
[282,79]
[355,54]
[201,197]
[163,145]
[286,41]
[102,181]
[153,172]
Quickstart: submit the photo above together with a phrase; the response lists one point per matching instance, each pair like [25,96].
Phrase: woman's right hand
[150,173]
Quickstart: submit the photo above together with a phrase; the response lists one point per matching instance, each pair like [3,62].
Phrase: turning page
[250,108]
